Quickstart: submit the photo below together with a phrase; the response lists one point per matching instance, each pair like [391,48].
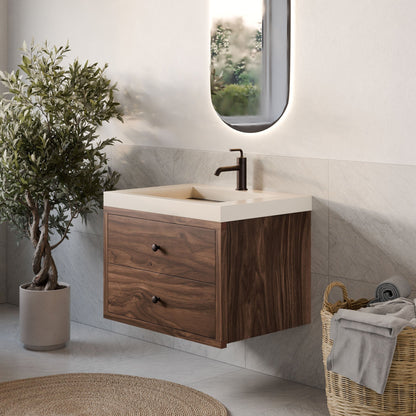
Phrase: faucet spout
[226,169]
[241,169]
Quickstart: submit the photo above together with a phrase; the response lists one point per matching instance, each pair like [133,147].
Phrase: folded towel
[392,288]
[400,308]
[364,343]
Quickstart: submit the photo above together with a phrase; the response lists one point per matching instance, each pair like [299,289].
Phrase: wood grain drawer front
[184,251]
[184,304]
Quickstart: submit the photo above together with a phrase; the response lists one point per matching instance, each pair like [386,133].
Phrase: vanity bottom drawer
[183,304]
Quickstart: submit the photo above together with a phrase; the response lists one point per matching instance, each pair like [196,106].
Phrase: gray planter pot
[44,318]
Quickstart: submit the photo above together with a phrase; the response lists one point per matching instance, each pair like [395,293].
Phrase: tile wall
[363,231]
[3,262]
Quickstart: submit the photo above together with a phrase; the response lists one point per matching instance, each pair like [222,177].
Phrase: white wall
[353,90]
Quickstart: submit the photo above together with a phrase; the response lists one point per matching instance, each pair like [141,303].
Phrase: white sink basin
[207,202]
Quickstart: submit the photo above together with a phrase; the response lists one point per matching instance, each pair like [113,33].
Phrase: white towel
[365,340]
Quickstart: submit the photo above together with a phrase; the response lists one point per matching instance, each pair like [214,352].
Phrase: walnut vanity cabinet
[208,282]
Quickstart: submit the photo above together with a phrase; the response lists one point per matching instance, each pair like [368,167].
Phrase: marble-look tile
[93,224]
[356,289]
[141,333]
[3,263]
[141,166]
[9,321]
[234,353]
[3,233]
[192,166]
[372,221]
[19,265]
[89,342]
[289,174]
[114,353]
[293,354]
[91,350]
[94,350]
[182,367]
[80,263]
[3,272]
[247,393]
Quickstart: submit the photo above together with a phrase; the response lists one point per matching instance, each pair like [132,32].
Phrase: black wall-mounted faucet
[241,169]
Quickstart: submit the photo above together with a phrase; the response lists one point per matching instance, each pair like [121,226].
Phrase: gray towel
[399,308]
[392,288]
[364,343]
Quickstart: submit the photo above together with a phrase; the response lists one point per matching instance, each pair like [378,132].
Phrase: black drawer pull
[155,247]
[155,299]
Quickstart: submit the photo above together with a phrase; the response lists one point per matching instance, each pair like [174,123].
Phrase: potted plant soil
[53,169]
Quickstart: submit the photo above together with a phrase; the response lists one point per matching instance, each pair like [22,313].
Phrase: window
[249,61]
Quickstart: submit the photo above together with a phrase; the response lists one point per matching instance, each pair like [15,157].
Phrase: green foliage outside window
[236,100]
[236,68]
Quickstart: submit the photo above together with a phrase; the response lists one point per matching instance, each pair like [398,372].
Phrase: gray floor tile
[244,392]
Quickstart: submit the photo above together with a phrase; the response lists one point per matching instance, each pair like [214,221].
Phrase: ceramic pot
[44,317]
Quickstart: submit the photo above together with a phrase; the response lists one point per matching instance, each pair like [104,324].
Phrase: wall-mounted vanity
[212,265]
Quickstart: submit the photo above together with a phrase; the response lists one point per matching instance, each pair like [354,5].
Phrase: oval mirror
[250,61]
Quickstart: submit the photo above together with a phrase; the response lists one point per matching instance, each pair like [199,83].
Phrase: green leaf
[26,60]
[49,144]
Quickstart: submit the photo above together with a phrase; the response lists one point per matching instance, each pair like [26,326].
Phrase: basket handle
[326,304]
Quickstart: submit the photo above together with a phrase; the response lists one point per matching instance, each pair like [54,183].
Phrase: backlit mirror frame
[275,80]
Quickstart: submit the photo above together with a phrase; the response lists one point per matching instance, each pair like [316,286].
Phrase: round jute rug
[103,395]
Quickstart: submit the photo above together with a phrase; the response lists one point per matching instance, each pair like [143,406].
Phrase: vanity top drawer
[174,249]
[161,299]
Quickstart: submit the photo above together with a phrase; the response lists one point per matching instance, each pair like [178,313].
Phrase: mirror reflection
[236,57]
[244,57]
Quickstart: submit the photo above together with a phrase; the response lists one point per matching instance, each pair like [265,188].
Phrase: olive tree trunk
[43,264]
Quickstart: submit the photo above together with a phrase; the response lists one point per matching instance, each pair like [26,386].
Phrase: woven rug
[103,395]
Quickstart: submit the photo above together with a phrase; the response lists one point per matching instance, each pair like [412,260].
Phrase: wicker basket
[346,398]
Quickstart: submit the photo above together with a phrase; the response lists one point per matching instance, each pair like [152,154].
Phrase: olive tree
[53,168]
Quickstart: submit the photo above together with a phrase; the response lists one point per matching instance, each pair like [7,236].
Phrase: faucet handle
[238,150]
